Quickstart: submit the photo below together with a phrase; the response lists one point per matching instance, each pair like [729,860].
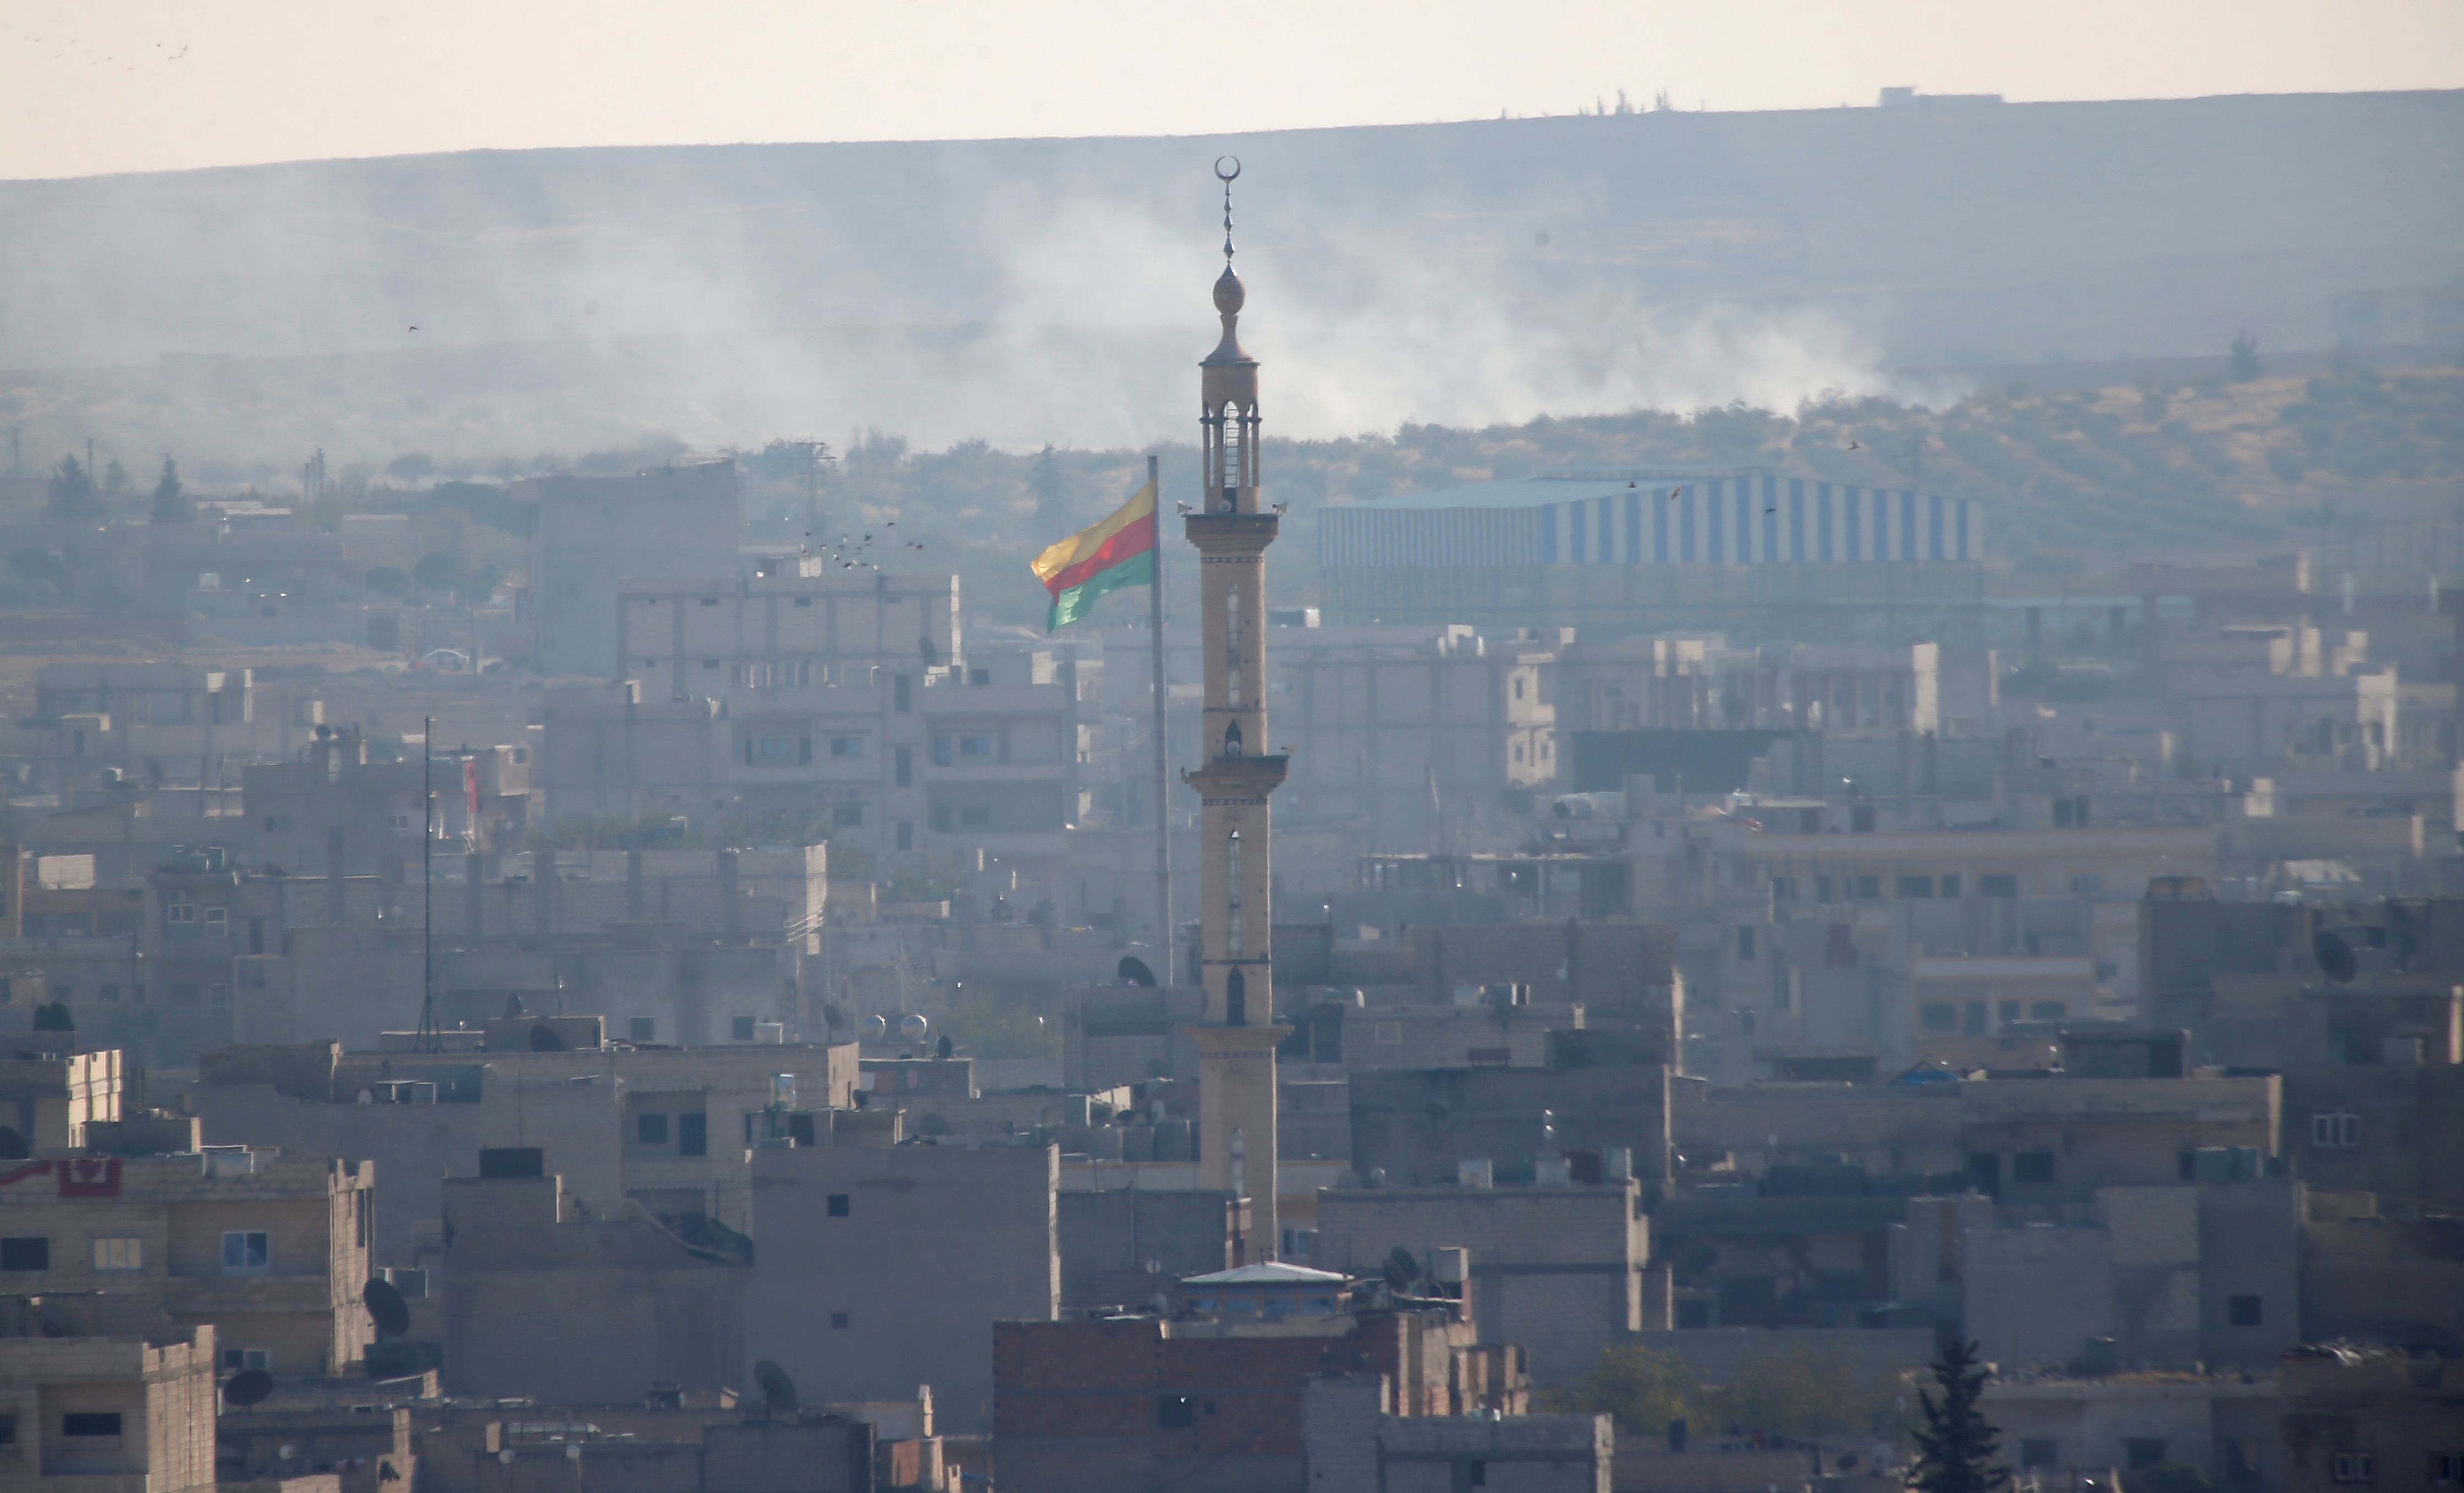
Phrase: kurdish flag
[1117,551]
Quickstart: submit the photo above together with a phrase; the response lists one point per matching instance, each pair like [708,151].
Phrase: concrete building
[1560,1269]
[1130,1404]
[554,1299]
[2060,1430]
[875,1270]
[2368,1417]
[127,1412]
[1236,1042]
[272,1253]
[670,1128]
[1417,1127]
[992,751]
[1351,1438]
[590,535]
[2152,1278]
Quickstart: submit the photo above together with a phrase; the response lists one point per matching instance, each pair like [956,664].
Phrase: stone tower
[1235,1044]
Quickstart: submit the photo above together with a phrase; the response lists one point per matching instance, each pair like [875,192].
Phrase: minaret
[1236,1044]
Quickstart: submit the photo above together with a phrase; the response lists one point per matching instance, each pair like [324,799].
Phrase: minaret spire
[1237,1039]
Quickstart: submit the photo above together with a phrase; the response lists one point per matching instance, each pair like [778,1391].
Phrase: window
[2141,1451]
[1476,1474]
[25,1254]
[90,1422]
[2039,1451]
[1869,888]
[185,912]
[2444,1467]
[247,1253]
[837,1205]
[692,1135]
[236,1359]
[402,822]
[942,753]
[1175,1413]
[975,817]
[1938,1016]
[119,1254]
[2335,1129]
[847,746]
[7,1430]
[906,836]
[2032,1168]
[975,746]
[218,997]
[2244,1311]
[650,1129]
[1916,886]
[979,676]
[278,823]
[778,747]
[709,601]
[1783,889]
[903,769]
[850,815]
[1997,883]
[217,922]
[1822,888]
[2047,1011]
[740,1028]
[643,1029]
[1950,886]
[2356,1467]
[2087,884]
[1744,943]
[839,1320]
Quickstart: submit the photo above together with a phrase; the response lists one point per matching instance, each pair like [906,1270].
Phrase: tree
[1805,1391]
[171,503]
[2245,358]
[387,580]
[1647,1390]
[115,480]
[413,467]
[73,493]
[1956,1445]
[437,571]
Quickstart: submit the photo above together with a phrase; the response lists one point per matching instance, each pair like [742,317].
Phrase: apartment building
[270,1252]
[129,1412]
[591,534]
[990,754]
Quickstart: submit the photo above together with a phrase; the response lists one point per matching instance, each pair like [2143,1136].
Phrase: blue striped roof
[1564,485]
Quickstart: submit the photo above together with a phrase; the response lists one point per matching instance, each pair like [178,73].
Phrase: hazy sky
[91,86]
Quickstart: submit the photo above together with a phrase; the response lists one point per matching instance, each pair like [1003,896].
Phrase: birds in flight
[857,554]
[106,60]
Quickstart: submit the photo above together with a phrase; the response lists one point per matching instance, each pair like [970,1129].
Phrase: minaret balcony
[1217,533]
[1236,777]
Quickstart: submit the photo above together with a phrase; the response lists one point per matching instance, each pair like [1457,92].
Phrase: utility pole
[429,1038]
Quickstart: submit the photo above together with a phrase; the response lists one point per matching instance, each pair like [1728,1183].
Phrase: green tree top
[1646,1389]
[73,492]
[171,503]
[1956,1447]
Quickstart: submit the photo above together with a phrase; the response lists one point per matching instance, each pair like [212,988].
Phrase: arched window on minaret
[1231,457]
[1232,646]
[1232,740]
[1232,911]
[1236,999]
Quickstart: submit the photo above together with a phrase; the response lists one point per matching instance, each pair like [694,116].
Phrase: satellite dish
[248,1387]
[386,1307]
[2335,957]
[1135,972]
[912,1026]
[543,1039]
[876,1027]
[778,1391]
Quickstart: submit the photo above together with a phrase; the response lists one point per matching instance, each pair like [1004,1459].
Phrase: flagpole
[1165,940]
